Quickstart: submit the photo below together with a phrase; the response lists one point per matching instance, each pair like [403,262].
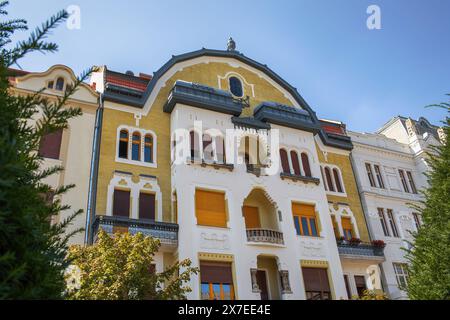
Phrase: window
[370,175]
[416,220]
[210,208]
[390,215]
[329,179]
[59,84]
[295,163]
[50,84]
[195,145]
[360,283]
[317,286]
[402,177]
[305,164]
[123,144]
[121,203]
[220,149]
[148,148]
[401,273]
[236,87]
[216,281]
[383,222]
[251,216]
[379,176]
[337,180]
[50,145]
[305,220]
[347,228]
[147,206]
[284,161]
[335,226]
[411,182]
[136,147]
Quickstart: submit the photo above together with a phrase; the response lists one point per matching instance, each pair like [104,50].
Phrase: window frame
[403,274]
[379,176]
[383,221]
[412,184]
[392,223]
[370,175]
[143,134]
[239,81]
[401,173]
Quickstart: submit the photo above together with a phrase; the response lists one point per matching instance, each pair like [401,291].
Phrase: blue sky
[343,70]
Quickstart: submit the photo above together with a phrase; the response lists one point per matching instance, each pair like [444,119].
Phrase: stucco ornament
[231,45]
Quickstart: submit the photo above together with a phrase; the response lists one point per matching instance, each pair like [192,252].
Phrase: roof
[126,80]
[422,125]
[133,95]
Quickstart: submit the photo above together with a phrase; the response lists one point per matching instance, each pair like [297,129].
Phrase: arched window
[295,163]
[123,144]
[208,152]
[236,87]
[329,179]
[305,164]
[195,145]
[136,147]
[220,149]
[284,161]
[59,84]
[337,180]
[148,148]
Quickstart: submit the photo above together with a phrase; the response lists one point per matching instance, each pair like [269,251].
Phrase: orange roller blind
[251,216]
[210,208]
[300,209]
[346,224]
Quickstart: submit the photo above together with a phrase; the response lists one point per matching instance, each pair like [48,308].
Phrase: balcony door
[261,279]
[251,216]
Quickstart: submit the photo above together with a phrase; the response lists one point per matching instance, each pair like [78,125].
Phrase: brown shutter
[284,161]
[50,145]
[360,281]
[315,279]
[215,272]
[305,163]
[121,203]
[147,206]
[295,163]
[337,180]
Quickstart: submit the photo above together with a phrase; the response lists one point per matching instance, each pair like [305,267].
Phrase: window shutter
[316,279]
[50,145]
[300,209]
[295,163]
[251,217]
[210,208]
[305,163]
[346,224]
[121,203]
[216,272]
[147,206]
[284,161]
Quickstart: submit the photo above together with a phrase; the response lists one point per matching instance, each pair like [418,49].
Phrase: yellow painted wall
[352,198]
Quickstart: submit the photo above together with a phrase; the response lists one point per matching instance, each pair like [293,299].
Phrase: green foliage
[119,268]
[32,251]
[429,257]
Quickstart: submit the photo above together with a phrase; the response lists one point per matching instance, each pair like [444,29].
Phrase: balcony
[265,236]
[361,251]
[166,232]
[294,177]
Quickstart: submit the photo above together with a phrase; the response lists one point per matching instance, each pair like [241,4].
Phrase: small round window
[236,87]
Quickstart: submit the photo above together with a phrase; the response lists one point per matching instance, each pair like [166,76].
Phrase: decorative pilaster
[285,285]
[255,287]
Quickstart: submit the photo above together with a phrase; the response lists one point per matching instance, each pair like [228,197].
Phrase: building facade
[71,147]
[390,166]
[225,163]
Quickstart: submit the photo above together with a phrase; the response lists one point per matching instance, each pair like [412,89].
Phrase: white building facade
[389,167]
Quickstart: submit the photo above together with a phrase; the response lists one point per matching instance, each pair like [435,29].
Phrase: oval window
[236,87]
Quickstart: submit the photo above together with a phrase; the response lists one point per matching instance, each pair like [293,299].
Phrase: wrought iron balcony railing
[166,232]
[360,251]
[265,235]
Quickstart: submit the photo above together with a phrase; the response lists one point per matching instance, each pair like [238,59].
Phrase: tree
[119,267]
[33,252]
[429,256]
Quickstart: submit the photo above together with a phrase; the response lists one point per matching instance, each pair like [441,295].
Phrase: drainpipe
[93,175]
[384,286]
